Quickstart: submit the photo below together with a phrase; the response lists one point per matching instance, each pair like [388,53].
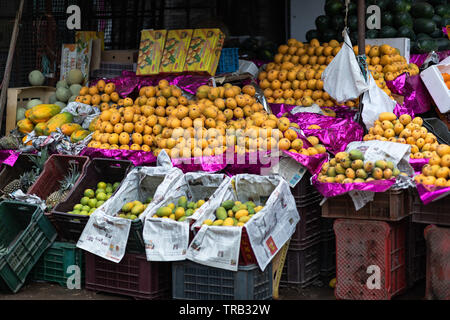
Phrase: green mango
[182,202]
[250,210]
[191,205]
[250,203]
[164,212]
[228,204]
[189,212]
[221,213]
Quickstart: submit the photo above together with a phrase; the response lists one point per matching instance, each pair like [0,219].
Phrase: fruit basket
[25,234]
[70,225]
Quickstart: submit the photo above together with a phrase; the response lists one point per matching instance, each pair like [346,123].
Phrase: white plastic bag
[342,78]
[375,101]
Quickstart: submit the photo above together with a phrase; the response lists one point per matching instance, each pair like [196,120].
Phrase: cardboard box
[150,51]
[402,44]
[68,59]
[120,56]
[433,80]
[204,51]
[175,50]
[19,97]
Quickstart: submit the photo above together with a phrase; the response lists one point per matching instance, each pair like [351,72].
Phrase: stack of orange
[294,77]
[437,171]
[102,95]
[446,77]
[219,117]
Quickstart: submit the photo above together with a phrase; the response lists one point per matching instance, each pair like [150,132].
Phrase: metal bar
[9,62]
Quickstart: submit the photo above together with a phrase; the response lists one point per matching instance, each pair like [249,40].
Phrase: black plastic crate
[327,258]
[302,267]
[309,227]
[305,192]
[415,253]
[193,281]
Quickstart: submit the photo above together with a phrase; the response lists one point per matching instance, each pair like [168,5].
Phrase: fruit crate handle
[101,163]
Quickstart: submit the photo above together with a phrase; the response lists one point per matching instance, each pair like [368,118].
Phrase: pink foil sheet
[9,157]
[137,157]
[259,162]
[417,98]
[417,164]
[312,163]
[401,109]
[419,59]
[208,164]
[329,190]
[428,193]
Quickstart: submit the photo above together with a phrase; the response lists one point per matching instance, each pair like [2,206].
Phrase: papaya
[92,124]
[25,125]
[57,121]
[79,135]
[69,128]
[40,127]
[43,112]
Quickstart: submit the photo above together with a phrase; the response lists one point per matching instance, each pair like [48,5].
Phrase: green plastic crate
[54,265]
[25,234]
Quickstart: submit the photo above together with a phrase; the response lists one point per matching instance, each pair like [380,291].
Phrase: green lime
[132,217]
[89,193]
[116,185]
[92,203]
[109,190]
[99,203]
[84,213]
[86,208]
[122,216]
[76,211]
[99,190]
[84,201]
[101,196]
[109,195]
[78,207]
[101,185]
[109,185]
[92,210]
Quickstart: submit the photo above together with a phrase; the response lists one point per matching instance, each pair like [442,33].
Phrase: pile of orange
[437,171]
[294,77]
[219,117]
[102,95]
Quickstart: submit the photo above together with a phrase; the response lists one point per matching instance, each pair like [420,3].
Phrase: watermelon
[443,10]
[352,8]
[372,34]
[437,2]
[334,7]
[438,20]
[387,19]
[443,44]
[425,45]
[437,33]
[352,22]
[422,36]
[311,34]
[381,3]
[327,35]
[422,25]
[445,21]
[337,22]
[322,22]
[406,32]
[422,10]
[354,37]
[403,19]
[388,32]
[399,6]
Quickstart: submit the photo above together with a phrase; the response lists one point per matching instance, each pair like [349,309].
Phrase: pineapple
[24,182]
[65,185]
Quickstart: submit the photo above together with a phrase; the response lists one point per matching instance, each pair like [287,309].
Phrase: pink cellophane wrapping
[251,163]
[416,96]
[312,163]
[207,164]
[9,157]
[401,109]
[137,157]
[329,190]
[419,59]
[128,82]
[428,193]
[417,164]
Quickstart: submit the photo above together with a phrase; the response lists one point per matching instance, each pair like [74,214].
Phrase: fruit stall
[202,165]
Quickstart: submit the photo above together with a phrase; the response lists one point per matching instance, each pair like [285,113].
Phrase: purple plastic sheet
[259,162]
[128,82]
[207,164]
[137,157]
[428,193]
[329,190]
[401,109]
[312,163]
[417,99]
[417,164]
[9,157]
[419,59]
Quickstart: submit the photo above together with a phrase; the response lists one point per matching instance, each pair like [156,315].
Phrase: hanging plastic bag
[375,101]
[342,79]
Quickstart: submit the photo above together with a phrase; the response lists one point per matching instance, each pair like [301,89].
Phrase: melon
[62,83]
[61,104]
[36,78]
[32,103]
[75,89]
[20,113]
[52,99]
[63,94]
[72,99]
[75,76]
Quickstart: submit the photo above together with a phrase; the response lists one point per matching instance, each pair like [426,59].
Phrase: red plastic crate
[133,276]
[364,243]
[8,173]
[438,263]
